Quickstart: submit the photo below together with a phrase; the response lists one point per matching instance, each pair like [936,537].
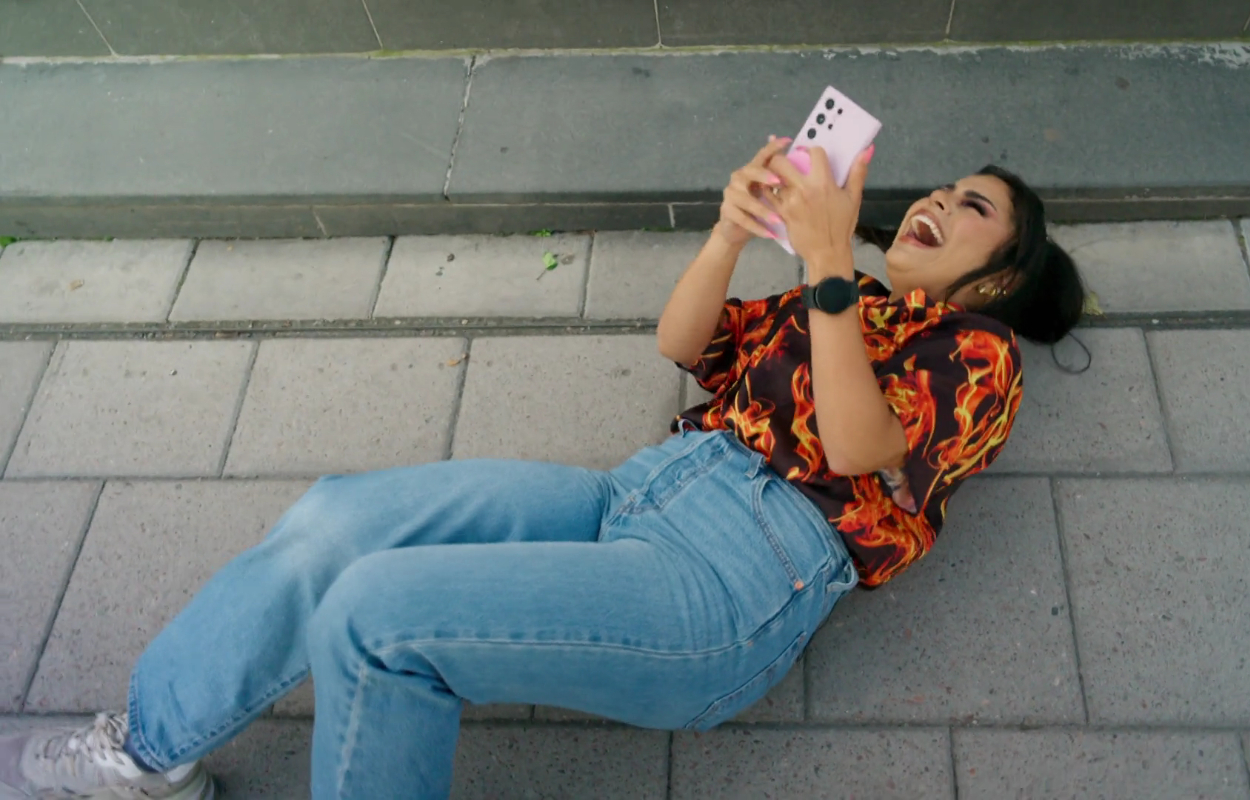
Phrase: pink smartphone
[839,127]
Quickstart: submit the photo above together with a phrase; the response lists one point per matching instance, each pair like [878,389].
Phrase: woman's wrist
[730,235]
[831,263]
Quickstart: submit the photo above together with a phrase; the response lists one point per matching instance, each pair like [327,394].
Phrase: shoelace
[100,741]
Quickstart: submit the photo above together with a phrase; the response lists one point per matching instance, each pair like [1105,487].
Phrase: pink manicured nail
[773,180]
[868,154]
[774,219]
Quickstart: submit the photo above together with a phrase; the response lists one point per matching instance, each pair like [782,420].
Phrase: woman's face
[948,234]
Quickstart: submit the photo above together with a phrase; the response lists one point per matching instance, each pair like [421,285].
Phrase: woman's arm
[858,430]
[690,317]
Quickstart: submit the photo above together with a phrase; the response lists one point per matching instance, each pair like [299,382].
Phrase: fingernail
[773,180]
[772,235]
[771,137]
[868,154]
[774,219]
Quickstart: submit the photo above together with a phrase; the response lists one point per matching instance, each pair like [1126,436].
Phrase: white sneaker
[90,762]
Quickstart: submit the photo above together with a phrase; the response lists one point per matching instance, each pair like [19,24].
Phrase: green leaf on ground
[5,241]
[1092,309]
[550,261]
[544,233]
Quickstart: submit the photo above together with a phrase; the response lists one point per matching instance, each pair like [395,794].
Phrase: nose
[941,198]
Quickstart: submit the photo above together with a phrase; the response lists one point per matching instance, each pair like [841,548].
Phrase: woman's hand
[820,216]
[742,211]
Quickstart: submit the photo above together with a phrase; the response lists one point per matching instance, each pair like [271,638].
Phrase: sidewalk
[1079,630]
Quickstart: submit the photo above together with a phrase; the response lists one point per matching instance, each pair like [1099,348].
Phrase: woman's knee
[347,614]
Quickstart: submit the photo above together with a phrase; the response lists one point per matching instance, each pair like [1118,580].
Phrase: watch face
[835,295]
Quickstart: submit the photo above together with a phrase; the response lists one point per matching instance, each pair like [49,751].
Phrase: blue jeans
[671,592]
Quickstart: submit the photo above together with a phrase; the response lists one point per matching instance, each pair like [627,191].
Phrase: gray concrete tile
[67,281]
[1106,418]
[496,711]
[41,525]
[490,276]
[994,764]
[732,763]
[537,761]
[482,24]
[21,364]
[57,28]
[251,132]
[1158,570]
[268,761]
[346,405]
[589,401]
[1158,20]
[450,218]
[978,631]
[1160,266]
[633,273]
[132,408]
[1204,379]
[159,219]
[512,148]
[695,394]
[288,279]
[150,547]
[184,27]
[808,22]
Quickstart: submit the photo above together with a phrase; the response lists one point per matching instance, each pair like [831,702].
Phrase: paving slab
[133,408]
[119,281]
[978,631]
[492,276]
[1064,119]
[210,132]
[41,526]
[150,547]
[186,27]
[447,218]
[808,22]
[271,759]
[536,761]
[58,28]
[1017,20]
[731,763]
[991,765]
[1204,380]
[345,405]
[1160,266]
[1158,570]
[1104,419]
[286,279]
[431,25]
[21,365]
[589,401]
[633,273]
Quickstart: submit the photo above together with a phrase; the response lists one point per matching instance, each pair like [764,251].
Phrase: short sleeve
[956,393]
[731,344]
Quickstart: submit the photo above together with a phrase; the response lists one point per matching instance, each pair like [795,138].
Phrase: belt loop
[682,424]
[757,464]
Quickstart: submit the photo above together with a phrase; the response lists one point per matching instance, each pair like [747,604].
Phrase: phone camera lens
[828,104]
[820,119]
[811,133]
[839,111]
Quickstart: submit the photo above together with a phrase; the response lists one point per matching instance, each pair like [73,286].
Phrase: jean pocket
[800,544]
[752,691]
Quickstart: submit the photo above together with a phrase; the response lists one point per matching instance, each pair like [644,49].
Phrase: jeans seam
[350,736]
[381,651]
[787,564]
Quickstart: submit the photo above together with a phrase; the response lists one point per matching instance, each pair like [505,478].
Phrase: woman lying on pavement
[670,592]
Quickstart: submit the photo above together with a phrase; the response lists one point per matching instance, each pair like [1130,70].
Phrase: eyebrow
[975,195]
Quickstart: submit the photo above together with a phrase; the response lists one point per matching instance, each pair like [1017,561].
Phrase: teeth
[921,219]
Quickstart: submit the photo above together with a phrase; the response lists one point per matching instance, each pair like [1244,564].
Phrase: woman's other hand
[742,212]
[820,216]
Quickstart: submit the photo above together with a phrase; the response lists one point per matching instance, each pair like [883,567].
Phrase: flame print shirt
[953,379]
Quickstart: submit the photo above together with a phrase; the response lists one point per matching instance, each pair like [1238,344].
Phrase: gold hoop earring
[989,290]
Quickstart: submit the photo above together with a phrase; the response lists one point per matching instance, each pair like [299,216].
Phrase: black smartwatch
[831,295]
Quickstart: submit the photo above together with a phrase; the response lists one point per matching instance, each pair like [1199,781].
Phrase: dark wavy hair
[1046,295]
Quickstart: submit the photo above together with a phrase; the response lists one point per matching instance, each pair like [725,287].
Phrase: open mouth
[924,231]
